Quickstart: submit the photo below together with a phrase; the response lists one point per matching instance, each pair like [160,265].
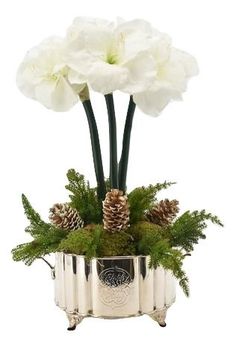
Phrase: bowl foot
[159,316]
[74,319]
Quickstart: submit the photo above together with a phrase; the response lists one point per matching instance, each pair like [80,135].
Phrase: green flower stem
[123,165]
[96,149]
[113,141]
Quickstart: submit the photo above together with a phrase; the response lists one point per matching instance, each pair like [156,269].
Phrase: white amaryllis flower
[112,56]
[43,76]
[173,69]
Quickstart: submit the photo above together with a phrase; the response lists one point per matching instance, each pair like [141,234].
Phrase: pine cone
[115,211]
[163,212]
[65,217]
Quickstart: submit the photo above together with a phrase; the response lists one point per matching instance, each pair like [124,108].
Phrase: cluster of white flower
[130,56]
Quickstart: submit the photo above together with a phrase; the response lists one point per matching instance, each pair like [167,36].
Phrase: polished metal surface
[52,268]
[112,287]
[159,316]
[74,319]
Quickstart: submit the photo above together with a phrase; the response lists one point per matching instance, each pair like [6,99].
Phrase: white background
[192,142]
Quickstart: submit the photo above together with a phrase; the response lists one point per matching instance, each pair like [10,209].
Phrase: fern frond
[142,199]
[162,254]
[28,252]
[84,198]
[188,229]
[34,218]
[43,244]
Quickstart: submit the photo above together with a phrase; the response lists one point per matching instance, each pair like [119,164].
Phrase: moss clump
[112,244]
[83,241]
[94,241]
[146,230]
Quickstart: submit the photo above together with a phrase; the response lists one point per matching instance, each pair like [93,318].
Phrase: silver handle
[51,267]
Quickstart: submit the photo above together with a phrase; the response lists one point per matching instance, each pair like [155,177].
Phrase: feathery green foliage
[29,252]
[44,243]
[46,237]
[152,240]
[37,225]
[188,229]
[142,199]
[162,254]
[84,198]
[83,241]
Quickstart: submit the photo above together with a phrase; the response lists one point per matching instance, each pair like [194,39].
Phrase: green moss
[94,241]
[83,241]
[120,243]
[146,230]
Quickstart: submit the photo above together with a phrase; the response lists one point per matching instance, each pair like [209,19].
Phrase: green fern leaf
[84,198]
[142,199]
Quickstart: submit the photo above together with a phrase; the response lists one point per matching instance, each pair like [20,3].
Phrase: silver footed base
[159,316]
[112,288]
[74,319]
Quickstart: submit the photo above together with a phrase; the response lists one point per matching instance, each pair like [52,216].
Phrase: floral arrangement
[106,220]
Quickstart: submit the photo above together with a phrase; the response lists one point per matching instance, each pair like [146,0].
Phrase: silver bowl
[111,287]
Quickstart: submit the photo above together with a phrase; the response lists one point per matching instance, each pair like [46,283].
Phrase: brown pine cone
[163,212]
[115,211]
[65,217]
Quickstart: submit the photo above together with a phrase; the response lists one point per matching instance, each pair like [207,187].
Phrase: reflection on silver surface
[111,287]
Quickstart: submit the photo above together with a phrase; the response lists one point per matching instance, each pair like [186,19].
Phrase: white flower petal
[43,92]
[134,36]
[63,97]
[90,22]
[138,35]
[134,27]
[92,34]
[177,70]
[142,72]
[173,74]
[50,42]
[130,56]
[56,95]
[153,101]
[80,62]
[173,70]
[25,80]
[188,61]
[38,62]
[76,77]
[160,48]
[106,78]
[43,76]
